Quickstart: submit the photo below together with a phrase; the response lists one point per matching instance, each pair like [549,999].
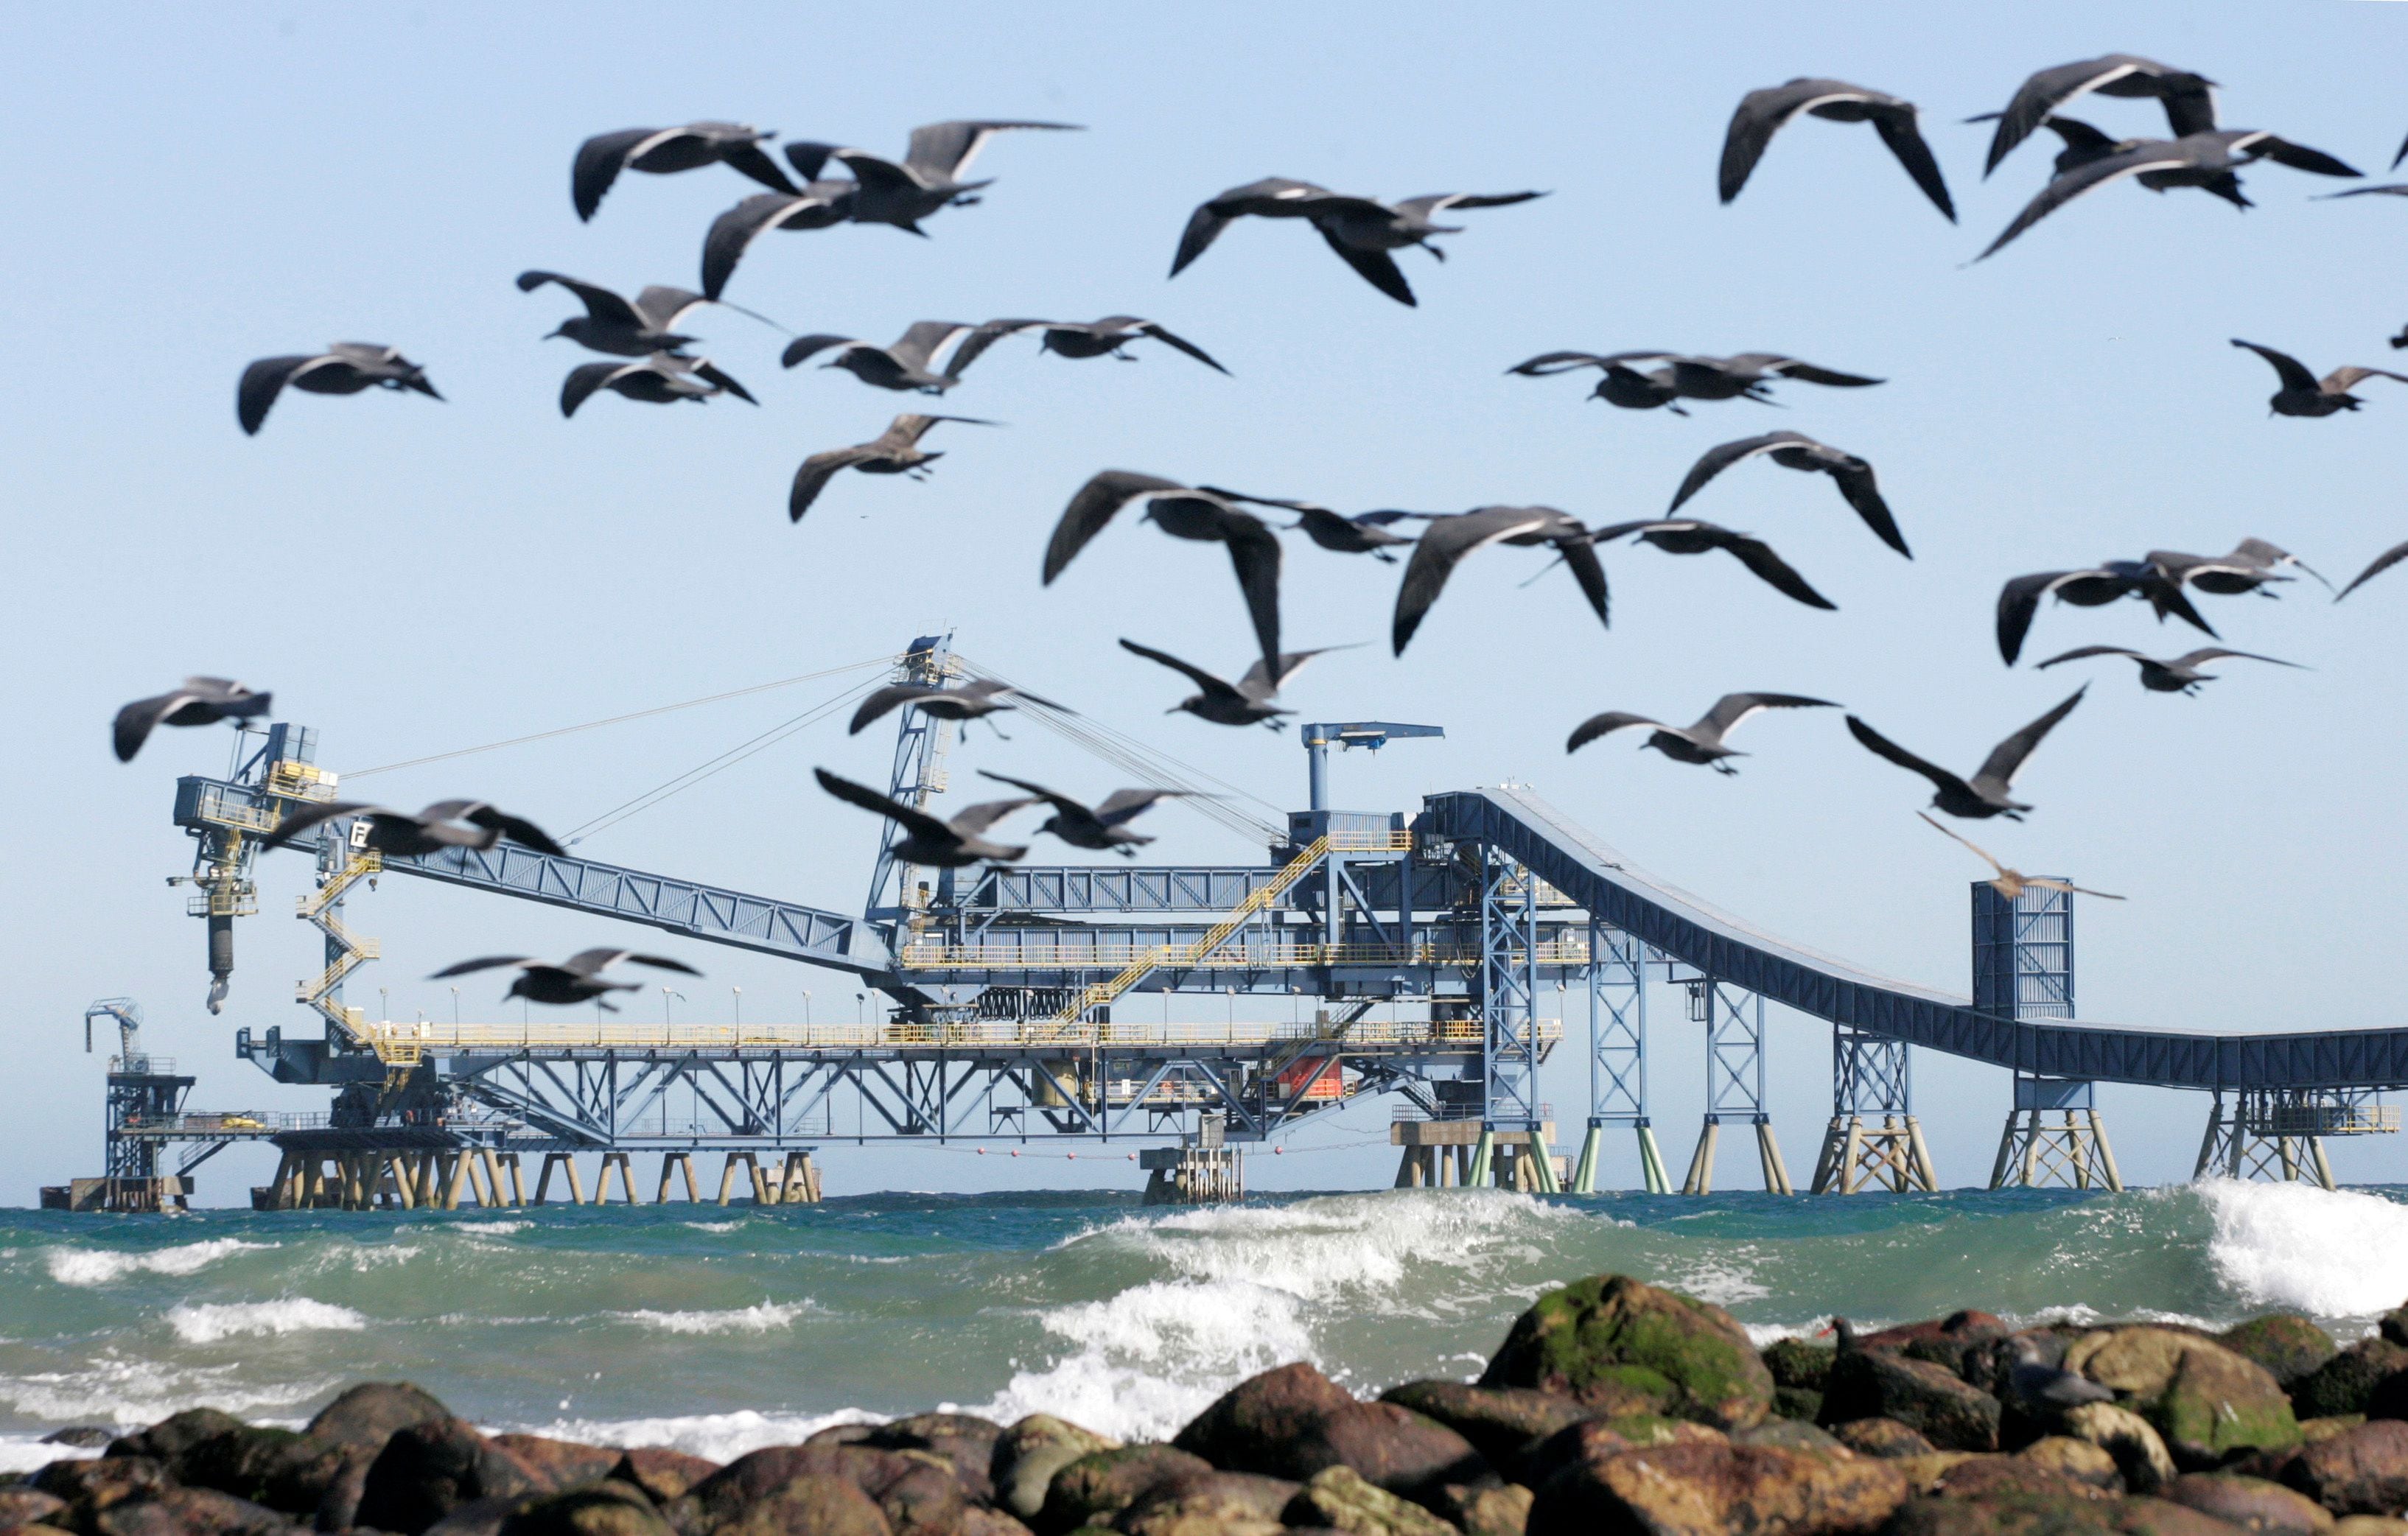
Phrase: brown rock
[564,1463]
[1029,1454]
[1999,1477]
[915,1491]
[979,1520]
[1602,1436]
[1092,1489]
[2342,1384]
[1393,1447]
[1625,1347]
[2389,1398]
[2369,1525]
[2139,1452]
[2362,1471]
[88,1488]
[166,1441]
[1498,1421]
[1883,1437]
[1496,1511]
[1339,1499]
[2063,1517]
[2078,1459]
[2291,1348]
[2251,1502]
[1707,1489]
[1792,1435]
[22,1504]
[477,1516]
[662,1474]
[965,1441]
[1253,1426]
[2137,1362]
[603,1509]
[2153,1517]
[373,1412]
[811,1503]
[1212,1503]
[2313,1430]
[1931,1399]
[428,1469]
[1924,1473]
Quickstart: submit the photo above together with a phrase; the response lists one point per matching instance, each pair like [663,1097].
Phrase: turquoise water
[721,1330]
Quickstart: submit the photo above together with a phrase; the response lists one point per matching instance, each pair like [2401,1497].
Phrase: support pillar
[683,1162]
[2055,1138]
[568,1164]
[1617,1056]
[2261,1134]
[1873,1140]
[799,1181]
[1734,1022]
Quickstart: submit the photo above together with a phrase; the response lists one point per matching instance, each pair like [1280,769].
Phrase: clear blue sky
[190,190]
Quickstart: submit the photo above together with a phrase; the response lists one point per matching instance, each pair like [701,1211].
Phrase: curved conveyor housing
[1599,879]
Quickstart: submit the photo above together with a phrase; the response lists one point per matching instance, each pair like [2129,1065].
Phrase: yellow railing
[1043,957]
[410,1041]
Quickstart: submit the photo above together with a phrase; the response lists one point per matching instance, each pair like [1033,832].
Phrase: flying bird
[1363,230]
[972,701]
[2085,144]
[2199,160]
[817,205]
[1447,540]
[1247,701]
[2389,189]
[445,824]
[2013,883]
[2382,562]
[1745,376]
[576,979]
[664,152]
[1183,512]
[926,840]
[202,701]
[1105,337]
[926,180]
[1986,793]
[2251,567]
[2305,394]
[909,363]
[1690,536]
[662,379]
[2189,99]
[2179,675]
[346,367]
[1795,450]
[2093,587]
[1102,827]
[622,327]
[1702,743]
[894,451]
[1763,113]
[1365,534]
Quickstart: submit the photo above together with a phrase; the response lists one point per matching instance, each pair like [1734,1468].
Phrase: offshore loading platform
[1426,944]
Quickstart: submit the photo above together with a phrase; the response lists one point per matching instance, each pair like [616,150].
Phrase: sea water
[719,1329]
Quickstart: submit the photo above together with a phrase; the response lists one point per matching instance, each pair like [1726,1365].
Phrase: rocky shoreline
[1611,1407]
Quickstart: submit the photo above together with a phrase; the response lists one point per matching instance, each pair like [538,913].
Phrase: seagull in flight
[908,363]
[1247,701]
[446,824]
[663,378]
[972,701]
[1105,337]
[1447,540]
[1363,230]
[894,451]
[1763,113]
[816,204]
[1795,450]
[2189,99]
[664,152]
[347,367]
[2093,587]
[202,701]
[1691,537]
[2178,675]
[2013,883]
[1702,743]
[945,844]
[1365,534]
[928,177]
[1183,512]
[2305,394]
[576,979]
[2380,563]
[624,327]
[1986,793]
[2199,160]
[1102,828]
[1745,376]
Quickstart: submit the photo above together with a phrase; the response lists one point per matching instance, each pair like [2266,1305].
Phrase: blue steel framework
[1492,897]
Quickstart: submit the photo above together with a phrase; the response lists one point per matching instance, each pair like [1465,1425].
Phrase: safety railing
[411,1042]
[1055,955]
[234,1122]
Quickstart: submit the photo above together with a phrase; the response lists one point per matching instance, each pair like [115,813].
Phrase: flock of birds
[647,358]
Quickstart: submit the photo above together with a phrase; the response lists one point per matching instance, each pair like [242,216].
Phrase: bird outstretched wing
[1770,568]
[1092,506]
[1376,267]
[2006,760]
[1195,673]
[518,828]
[486,962]
[1606,724]
[598,161]
[919,823]
[884,700]
[732,233]
[1731,708]
[2080,653]
[2290,370]
[2380,563]
[261,381]
[1898,129]
[1760,115]
[2161,155]
[1881,745]
[601,302]
[1441,547]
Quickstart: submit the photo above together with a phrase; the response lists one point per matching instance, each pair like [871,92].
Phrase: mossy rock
[2343,1384]
[2291,1348]
[2219,1406]
[1797,1363]
[1623,1347]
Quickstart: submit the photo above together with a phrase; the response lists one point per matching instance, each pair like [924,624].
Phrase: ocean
[718,1330]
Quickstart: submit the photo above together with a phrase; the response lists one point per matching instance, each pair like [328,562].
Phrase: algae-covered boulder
[1794,1435]
[1799,1363]
[2252,1503]
[1930,1400]
[1885,1438]
[1710,1488]
[1992,1476]
[1211,1504]
[2291,1348]
[2343,1384]
[1340,1499]
[1499,1510]
[1498,1421]
[2209,1404]
[2361,1472]
[1094,1487]
[1623,1347]
[1029,1454]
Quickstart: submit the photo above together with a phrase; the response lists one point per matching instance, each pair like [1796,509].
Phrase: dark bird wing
[2298,157]
[819,469]
[884,700]
[663,306]
[1123,806]
[971,820]
[1859,489]
[2163,155]
[1204,226]
[2006,760]
[592,962]
[602,304]
[2341,380]
[1760,115]
[802,349]
[732,233]
[1580,558]
[1169,339]
[919,343]
[518,828]
[1255,555]
[658,962]
[1259,684]
[1094,505]
[1731,708]
[918,823]
[2019,602]
[751,159]
[2050,89]
[2217,653]
[711,373]
[308,817]
[1600,725]
[943,151]
[485,962]
[2382,562]
[136,720]
[1717,459]
[598,161]
[1214,214]
[983,337]
[1443,546]
[1196,674]
[261,381]
[1790,367]
[1055,798]
[587,378]
[2081,653]
[1898,129]
[1758,557]
[1432,203]
[1881,745]
[2290,370]
[1376,267]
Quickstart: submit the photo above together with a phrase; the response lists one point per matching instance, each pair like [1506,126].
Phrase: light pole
[739,1003]
[456,1007]
[806,1007]
[384,1006]
[858,1000]
[667,993]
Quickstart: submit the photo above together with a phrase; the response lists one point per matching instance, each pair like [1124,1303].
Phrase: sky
[191,190]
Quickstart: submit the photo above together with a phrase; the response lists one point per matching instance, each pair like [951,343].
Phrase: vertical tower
[2023,968]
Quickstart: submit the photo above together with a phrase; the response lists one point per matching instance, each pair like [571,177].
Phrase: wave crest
[2334,1254]
[99,1266]
[211,1322]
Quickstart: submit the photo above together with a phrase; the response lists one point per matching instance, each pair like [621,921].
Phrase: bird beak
[1173,709]
[560,330]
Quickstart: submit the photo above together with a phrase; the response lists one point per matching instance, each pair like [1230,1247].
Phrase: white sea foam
[713,1226]
[115,1390]
[211,1322]
[2335,1254]
[99,1266]
[761,1318]
[28,1453]
[492,1229]
[722,1437]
